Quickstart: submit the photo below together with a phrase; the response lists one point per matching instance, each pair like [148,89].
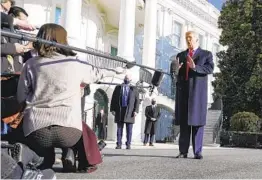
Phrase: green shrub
[245,122]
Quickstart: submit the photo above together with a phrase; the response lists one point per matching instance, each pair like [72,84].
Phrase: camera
[101,145]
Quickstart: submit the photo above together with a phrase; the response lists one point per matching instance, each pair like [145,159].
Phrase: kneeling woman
[49,84]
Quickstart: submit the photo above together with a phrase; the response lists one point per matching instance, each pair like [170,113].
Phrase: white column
[126,32]
[73,21]
[167,22]
[209,42]
[89,104]
[137,127]
[149,43]
[209,46]
[183,37]
[162,24]
[205,41]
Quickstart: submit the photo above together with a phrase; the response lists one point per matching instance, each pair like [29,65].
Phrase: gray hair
[194,33]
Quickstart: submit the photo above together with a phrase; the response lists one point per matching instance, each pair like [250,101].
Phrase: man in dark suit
[191,94]
[125,107]
[101,124]
[152,114]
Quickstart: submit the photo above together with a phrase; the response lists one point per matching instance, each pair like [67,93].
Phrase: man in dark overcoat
[125,106]
[191,94]
[152,113]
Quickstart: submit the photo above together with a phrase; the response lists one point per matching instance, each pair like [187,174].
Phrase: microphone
[156,80]
[174,68]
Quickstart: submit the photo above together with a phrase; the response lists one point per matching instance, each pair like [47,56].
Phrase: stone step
[212,120]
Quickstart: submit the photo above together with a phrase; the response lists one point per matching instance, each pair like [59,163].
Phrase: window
[176,34]
[113,51]
[201,41]
[58,15]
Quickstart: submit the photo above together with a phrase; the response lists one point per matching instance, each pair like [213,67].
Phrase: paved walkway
[112,145]
[158,162]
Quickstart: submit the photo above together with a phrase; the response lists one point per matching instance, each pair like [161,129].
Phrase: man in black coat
[125,107]
[101,124]
[152,113]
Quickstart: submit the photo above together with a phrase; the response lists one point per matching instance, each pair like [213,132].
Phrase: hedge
[241,139]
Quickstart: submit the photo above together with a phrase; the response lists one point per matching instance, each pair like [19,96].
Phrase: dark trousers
[147,137]
[102,132]
[120,127]
[9,168]
[197,138]
[44,141]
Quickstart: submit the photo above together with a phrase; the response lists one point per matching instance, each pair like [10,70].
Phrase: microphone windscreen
[174,67]
[157,78]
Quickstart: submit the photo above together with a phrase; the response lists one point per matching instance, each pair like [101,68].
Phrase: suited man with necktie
[194,65]
[125,106]
[152,113]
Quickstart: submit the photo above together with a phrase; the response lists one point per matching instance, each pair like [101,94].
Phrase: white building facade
[148,33]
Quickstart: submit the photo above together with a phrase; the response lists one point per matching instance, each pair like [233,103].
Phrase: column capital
[170,11]
[163,8]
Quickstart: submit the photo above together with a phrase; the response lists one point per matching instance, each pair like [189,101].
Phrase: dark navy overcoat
[191,94]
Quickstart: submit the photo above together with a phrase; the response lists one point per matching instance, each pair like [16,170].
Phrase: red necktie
[190,53]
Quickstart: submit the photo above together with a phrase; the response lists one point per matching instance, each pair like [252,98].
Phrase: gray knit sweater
[51,89]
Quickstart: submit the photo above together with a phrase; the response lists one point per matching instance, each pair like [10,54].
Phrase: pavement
[159,162]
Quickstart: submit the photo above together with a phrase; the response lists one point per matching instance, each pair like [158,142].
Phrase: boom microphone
[174,68]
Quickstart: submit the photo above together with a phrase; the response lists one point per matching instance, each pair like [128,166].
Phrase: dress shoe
[198,156]
[128,147]
[68,160]
[87,169]
[181,155]
[118,147]
[151,144]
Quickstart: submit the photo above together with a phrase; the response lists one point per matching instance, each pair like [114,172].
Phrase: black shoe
[87,169]
[198,156]
[68,160]
[24,156]
[118,147]
[151,144]
[128,147]
[181,155]
[37,174]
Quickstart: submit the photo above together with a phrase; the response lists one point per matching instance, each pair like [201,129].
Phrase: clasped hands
[114,113]
[153,119]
